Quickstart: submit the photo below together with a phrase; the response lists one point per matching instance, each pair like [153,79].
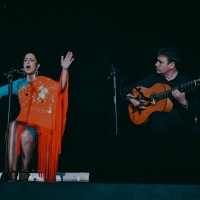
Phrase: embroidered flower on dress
[43,92]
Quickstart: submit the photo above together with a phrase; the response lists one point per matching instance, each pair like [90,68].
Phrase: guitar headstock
[198,82]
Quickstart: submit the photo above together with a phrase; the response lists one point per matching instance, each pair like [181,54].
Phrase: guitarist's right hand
[135,102]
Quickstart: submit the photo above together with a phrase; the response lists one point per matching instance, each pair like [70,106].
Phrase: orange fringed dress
[44,106]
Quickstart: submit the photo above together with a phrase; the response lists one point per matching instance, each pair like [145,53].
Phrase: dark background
[128,33]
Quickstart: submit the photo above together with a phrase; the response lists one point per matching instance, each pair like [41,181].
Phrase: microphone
[18,71]
[15,71]
[112,66]
[106,59]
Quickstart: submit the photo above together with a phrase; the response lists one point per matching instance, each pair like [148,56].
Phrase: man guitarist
[185,104]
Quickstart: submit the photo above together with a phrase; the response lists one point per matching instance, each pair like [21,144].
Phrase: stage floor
[104,191]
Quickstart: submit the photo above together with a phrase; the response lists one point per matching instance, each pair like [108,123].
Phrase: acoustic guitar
[156,99]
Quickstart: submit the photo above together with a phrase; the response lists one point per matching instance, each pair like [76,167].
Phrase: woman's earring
[37,72]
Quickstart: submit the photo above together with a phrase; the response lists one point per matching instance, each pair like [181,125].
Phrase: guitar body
[163,105]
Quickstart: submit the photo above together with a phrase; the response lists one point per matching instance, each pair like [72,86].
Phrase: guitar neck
[181,88]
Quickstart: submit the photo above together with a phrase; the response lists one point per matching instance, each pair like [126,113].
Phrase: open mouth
[28,67]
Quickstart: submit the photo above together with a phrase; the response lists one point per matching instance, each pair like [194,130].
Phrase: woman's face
[30,64]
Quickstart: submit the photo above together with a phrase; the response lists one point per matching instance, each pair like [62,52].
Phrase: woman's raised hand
[66,62]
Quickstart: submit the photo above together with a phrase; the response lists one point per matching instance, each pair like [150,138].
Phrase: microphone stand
[4,176]
[113,73]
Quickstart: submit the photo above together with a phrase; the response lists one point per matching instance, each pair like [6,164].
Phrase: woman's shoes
[12,176]
[23,176]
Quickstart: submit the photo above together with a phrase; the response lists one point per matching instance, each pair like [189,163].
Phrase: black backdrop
[126,32]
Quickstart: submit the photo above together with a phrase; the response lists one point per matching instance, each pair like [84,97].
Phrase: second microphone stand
[113,73]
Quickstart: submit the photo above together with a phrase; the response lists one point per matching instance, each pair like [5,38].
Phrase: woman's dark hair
[172,55]
[36,56]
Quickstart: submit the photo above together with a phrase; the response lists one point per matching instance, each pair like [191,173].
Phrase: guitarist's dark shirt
[192,94]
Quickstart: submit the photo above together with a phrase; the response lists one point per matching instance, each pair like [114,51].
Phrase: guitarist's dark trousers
[165,123]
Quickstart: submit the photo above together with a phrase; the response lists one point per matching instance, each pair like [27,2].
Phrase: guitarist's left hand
[179,96]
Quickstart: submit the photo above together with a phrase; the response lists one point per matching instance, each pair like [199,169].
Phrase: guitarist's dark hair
[172,55]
